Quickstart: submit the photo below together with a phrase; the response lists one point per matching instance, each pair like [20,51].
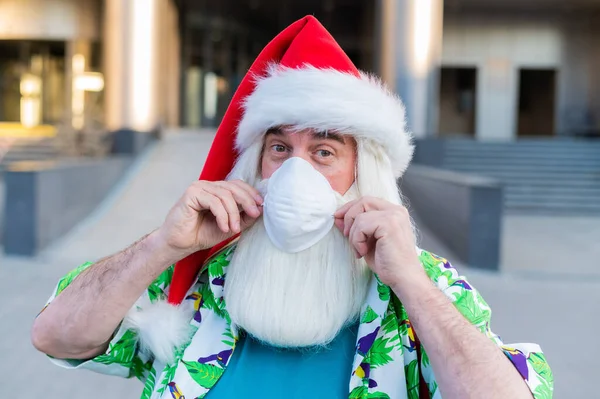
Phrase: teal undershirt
[260,371]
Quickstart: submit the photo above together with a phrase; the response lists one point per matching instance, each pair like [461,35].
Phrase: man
[323,294]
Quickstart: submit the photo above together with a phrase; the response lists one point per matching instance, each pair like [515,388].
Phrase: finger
[339,223]
[247,221]
[206,201]
[339,214]
[364,204]
[361,232]
[254,193]
[369,203]
[242,197]
[351,214]
[229,203]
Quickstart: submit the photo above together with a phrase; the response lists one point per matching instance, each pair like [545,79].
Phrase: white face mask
[298,207]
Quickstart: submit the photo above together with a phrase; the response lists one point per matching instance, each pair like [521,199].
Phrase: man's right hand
[80,321]
[208,213]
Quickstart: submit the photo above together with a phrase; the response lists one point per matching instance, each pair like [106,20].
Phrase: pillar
[131,57]
[409,51]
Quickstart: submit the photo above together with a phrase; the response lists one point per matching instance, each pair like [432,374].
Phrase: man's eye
[324,153]
[279,148]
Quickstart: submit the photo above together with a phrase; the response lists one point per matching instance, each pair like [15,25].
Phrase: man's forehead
[315,133]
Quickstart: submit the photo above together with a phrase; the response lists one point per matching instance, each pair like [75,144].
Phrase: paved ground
[547,293]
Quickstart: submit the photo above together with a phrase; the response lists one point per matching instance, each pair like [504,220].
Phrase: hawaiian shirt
[386,363]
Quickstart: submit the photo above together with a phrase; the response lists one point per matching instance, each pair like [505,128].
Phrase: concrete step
[582,191]
[512,167]
[478,159]
[522,144]
[539,176]
[536,210]
[564,198]
[550,206]
[27,157]
[538,153]
[533,175]
[30,150]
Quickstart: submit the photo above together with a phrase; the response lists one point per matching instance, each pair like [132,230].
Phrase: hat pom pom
[162,328]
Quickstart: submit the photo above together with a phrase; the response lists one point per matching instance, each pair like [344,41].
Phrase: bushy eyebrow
[323,135]
[329,136]
[275,131]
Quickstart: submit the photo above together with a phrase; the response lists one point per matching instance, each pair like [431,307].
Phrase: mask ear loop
[356,166]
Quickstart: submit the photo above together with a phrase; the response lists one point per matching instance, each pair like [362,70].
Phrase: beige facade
[49,20]
[491,69]
[501,44]
[90,64]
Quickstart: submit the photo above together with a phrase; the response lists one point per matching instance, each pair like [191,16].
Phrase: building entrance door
[536,102]
[458,89]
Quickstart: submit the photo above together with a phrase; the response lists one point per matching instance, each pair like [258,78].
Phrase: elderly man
[300,275]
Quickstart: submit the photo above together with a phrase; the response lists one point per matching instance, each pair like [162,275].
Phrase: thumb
[247,221]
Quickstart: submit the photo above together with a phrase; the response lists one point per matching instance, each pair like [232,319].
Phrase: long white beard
[295,300]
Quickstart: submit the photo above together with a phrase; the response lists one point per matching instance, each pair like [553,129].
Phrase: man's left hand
[381,232]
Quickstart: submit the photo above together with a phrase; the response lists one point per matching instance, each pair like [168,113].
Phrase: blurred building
[479,78]
[488,69]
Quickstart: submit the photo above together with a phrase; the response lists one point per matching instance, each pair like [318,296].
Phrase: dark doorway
[536,102]
[458,89]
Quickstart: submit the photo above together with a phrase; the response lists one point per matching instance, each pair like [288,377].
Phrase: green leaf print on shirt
[170,370]
[139,369]
[68,279]
[102,359]
[164,280]
[149,384]
[359,393]
[378,395]
[157,289]
[379,354]
[471,310]
[424,359]
[369,315]
[383,290]
[541,367]
[208,299]
[121,352]
[206,375]
[217,265]
[412,379]
[389,325]
[434,267]
[228,339]
[155,292]
[543,391]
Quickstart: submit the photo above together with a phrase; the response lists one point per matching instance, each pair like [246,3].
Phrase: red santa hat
[302,78]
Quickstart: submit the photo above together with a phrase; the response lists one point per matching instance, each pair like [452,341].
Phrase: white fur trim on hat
[162,328]
[327,99]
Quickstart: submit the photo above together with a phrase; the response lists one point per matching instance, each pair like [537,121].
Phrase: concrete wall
[463,211]
[44,200]
[498,43]
[49,19]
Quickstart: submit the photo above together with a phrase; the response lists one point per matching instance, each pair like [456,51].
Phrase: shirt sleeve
[527,358]
[123,356]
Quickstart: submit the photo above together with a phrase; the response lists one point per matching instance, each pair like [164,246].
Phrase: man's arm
[80,321]
[466,363]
